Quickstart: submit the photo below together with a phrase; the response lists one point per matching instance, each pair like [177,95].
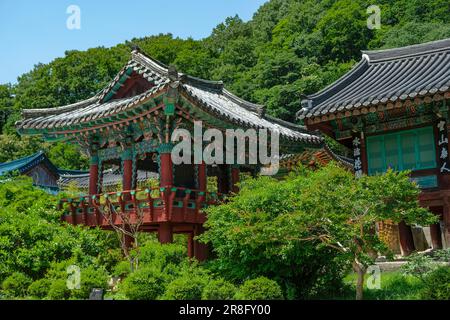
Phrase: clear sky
[36,31]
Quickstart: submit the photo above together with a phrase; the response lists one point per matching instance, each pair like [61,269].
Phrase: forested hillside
[289,48]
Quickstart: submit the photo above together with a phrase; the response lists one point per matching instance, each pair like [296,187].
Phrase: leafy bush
[90,278]
[146,283]
[39,288]
[186,287]
[16,284]
[218,289]
[156,254]
[260,288]
[437,284]
[32,237]
[58,290]
[421,265]
[122,269]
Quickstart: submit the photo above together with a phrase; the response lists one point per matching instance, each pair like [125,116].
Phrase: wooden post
[202,177]
[166,174]
[234,179]
[406,238]
[93,172]
[165,233]
[93,178]
[200,249]
[127,184]
[127,179]
[190,245]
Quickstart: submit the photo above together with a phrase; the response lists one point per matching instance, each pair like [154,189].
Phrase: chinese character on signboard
[443,146]
[357,165]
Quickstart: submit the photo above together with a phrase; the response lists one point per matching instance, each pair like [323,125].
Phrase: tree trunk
[360,272]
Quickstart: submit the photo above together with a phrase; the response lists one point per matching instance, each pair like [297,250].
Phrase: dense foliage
[289,48]
[269,240]
[303,230]
[35,246]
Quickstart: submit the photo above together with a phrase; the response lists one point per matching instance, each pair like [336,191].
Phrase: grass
[394,286]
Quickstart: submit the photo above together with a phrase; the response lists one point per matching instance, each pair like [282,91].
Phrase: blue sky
[35,31]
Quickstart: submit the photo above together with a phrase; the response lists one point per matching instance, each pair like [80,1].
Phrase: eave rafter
[380,107]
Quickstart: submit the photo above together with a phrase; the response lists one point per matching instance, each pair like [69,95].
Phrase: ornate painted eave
[320,156]
[383,80]
[208,97]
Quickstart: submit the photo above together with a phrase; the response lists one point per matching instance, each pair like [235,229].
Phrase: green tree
[256,234]
[344,210]
[312,220]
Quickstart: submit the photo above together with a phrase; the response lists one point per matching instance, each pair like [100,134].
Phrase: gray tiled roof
[384,76]
[210,95]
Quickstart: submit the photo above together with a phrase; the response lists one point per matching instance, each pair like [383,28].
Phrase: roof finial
[173,73]
[135,48]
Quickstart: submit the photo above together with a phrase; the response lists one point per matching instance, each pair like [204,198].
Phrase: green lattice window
[403,150]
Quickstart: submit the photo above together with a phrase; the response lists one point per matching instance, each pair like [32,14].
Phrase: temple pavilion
[128,125]
[392,110]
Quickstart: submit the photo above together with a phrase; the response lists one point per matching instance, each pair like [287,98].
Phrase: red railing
[155,204]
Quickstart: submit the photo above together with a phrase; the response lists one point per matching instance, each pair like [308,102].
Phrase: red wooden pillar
[200,249]
[234,179]
[406,238]
[202,177]
[166,173]
[190,245]
[165,233]
[127,184]
[127,179]
[93,177]
[93,171]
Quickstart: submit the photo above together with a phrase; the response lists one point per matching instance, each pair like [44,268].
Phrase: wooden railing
[158,204]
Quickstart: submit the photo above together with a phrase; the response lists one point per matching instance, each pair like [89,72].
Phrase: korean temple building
[43,172]
[129,125]
[392,110]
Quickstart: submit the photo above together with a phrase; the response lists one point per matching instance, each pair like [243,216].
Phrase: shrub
[260,288]
[218,289]
[146,283]
[154,253]
[122,269]
[39,288]
[186,287]
[90,278]
[16,284]
[437,285]
[58,290]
